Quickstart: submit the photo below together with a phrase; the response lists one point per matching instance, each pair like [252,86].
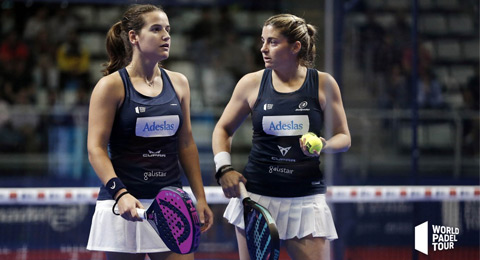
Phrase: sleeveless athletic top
[143,143]
[276,165]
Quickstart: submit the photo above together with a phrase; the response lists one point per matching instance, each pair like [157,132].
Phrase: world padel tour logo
[442,237]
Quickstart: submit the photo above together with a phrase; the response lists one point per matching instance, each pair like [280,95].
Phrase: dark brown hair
[296,29]
[118,46]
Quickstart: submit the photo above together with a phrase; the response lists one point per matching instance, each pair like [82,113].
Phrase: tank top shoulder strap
[312,82]
[126,81]
[167,82]
[264,85]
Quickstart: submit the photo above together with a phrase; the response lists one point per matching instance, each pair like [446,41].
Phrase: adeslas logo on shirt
[285,125]
[158,126]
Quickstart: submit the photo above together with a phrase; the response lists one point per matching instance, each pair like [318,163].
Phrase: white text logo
[152,174]
[443,237]
[154,154]
[278,169]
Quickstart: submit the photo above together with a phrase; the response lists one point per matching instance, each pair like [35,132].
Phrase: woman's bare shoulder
[251,80]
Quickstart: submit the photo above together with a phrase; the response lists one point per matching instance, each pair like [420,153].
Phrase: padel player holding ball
[286,100]
[138,131]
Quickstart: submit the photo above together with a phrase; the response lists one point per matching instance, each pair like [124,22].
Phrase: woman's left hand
[315,152]
[205,214]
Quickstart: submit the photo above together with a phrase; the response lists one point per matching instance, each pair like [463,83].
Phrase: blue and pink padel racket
[174,217]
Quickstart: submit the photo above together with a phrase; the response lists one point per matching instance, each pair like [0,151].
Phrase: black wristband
[116,201]
[113,186]
[224,169]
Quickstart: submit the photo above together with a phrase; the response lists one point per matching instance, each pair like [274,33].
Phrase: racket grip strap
[142,213]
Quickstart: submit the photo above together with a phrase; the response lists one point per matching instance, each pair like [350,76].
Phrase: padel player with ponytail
[139,131]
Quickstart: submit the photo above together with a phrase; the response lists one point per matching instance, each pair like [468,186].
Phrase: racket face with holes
[175,219]
[261,232]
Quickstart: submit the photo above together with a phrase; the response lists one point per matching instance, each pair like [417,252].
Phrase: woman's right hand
[230,181]
[127,207]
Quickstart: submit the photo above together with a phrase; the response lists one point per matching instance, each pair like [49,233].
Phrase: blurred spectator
[424,59]
[18,83]
[471,93]
[4,113]
[25,120]
[394,94]
[7,20]
[401,32]
[60,134]
[73,61]
[430,92]
[13,49]
[42,45]
[61,24]
[385,57]
[471,127]
[45,77]
[45,73]
[219,83]
[232,45]
[35,24]
[257,58]
[371,36]
[10,140]
[202,36]
[204,28]
[225,23]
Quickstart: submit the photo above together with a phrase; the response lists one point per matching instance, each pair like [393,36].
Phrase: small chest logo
[139,110]
[267,107]
[283,150]
[303,106]
[151,154]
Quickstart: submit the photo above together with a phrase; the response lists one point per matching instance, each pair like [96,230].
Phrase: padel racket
[174,217]
[260,229]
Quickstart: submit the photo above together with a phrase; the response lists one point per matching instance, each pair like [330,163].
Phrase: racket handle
[243,190]
[142,213]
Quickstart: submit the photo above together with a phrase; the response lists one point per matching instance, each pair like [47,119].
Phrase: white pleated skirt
[295,217]
[112,233]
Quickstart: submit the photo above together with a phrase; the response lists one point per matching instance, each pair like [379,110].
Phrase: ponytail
[311,49]
[118,49]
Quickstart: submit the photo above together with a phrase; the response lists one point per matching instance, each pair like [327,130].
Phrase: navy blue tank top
[143,143]
[276,165]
